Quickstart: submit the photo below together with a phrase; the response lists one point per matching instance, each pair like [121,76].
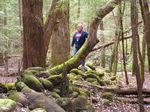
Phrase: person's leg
[75,51]
[83,63]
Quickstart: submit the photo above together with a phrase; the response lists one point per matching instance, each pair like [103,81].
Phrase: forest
[74,56]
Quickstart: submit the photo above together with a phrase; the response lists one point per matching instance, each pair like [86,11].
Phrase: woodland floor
[119,103]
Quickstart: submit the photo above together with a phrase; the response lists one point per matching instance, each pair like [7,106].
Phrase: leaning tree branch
[52,19]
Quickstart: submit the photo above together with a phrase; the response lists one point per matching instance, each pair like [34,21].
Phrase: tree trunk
[102,41]
[136,68]
[33,32]
[60,43]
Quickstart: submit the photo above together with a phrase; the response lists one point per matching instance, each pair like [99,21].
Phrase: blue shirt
[79,41]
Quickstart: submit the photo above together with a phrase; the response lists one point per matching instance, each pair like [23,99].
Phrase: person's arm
[86,35]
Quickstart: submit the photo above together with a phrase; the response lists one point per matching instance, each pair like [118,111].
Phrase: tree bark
[33,32]
[60,41]
[136,68]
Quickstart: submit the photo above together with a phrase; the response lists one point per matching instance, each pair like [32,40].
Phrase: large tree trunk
[60,42]
[33,32]
[36,35]
[136,68]
[90,42]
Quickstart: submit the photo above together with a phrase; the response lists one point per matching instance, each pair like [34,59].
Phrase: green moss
[55,79]
[76,71]
[74,88]
[46,83]
[91,79]
[106,102]
[56,90]
[107,95]
[20,86]
[101,82]
[7,105]
[13,95]
[90,65]
[28,72]
[32,82]
[100,72]
[10,86]
[65,103]
[75,94]
[55,95]
[87,68]
[113,78]
[74,77]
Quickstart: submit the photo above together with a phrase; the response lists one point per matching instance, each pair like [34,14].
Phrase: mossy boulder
[46,83]
[98,73]
[18,97]
[7,105]
[39,110]
[107,95]
[75,94]
[55,79]
[57,90]
[55,95]
[80,103]
[10,86]
[90,65]
[66,104]
[76,71]
[106,102]
[113,78]
[20,86]
[39,100]
[32,82]
[91,79]
[73,77]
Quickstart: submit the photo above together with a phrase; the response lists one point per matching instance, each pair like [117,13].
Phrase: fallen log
[115,90]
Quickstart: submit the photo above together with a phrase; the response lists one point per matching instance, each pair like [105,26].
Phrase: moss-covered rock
[20,86]
[91,79]
[7,105]
[75,94]
[90,65]
[80,103]
[39,110]
[46,83]
[32,82]
[66,104]
[87,68]
[76,71]
[10,86]
[39,100]
[55,95]
[73,77]
[18,97]
[113,78]
[56,90]
[107,95]
[55,79]
[100,72]
[106,102]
